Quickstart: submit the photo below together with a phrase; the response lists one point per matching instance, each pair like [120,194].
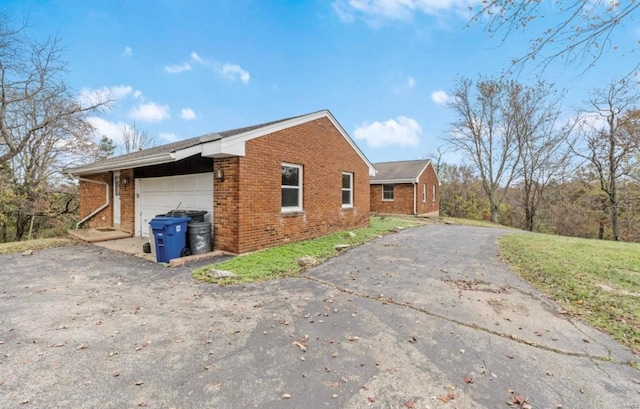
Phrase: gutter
[415,203]
[99,209]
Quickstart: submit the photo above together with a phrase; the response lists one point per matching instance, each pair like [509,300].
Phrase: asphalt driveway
[426,318]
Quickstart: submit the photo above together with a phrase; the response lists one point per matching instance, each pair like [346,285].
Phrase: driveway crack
[470,325]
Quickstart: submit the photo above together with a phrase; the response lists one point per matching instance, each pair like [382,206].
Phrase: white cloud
[150,112]
[169,137]
[187,114]
[195,57]
[112,130]
[137,94]
[403,131]
[377,12]
[177,68]
[411,82]
[234,72]
[99,95]
[128,52]
[440,97]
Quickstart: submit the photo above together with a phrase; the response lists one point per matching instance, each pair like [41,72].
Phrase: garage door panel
[161,195]
[187,185]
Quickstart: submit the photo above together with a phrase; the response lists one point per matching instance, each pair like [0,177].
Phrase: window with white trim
[387,192]
[347,189]
[291,187]
[424,193]
[433,193]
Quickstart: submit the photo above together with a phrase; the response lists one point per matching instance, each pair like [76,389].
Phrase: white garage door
[156,196]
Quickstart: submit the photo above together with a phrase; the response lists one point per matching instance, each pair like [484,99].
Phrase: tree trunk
[528,216]
[20,225]
[600,230]
[614,222]
[494,213]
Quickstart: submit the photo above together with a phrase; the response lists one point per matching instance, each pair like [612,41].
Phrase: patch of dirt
[477,285]
[616,291]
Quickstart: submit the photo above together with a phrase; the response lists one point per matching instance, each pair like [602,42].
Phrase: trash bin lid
[161,222]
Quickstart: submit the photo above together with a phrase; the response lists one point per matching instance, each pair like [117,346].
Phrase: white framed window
[347,189]
[433,193]
[424,193]
[387,192]
[291,187]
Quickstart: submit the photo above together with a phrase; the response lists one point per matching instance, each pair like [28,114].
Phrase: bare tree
[31,88]
[610,137]
[437,158]
[582,32]
[36,168]
[134,139]
[486,133]
[542,145]
[43,125]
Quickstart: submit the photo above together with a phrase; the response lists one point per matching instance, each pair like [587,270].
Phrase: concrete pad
[99,234]
[129,245]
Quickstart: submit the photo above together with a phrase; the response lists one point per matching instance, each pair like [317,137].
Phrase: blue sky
[384,68]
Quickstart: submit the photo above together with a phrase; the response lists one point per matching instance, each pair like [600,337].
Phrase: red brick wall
[255,215]
[402,202]
[403,196]
[92,196]
[127,202]
[429,178]
[225,205]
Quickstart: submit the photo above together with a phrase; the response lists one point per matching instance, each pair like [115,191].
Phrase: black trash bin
[196,215]
[200,240]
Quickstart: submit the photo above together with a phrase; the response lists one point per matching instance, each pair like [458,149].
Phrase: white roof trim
[393,181]
[222,149]
[257,133]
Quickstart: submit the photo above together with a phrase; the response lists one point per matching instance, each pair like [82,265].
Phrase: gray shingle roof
[397,171]
[175,146]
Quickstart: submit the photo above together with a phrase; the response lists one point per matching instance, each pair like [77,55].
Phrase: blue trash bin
[170,234]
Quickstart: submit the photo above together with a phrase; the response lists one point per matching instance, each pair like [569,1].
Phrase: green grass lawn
[39,244]
[597,280]
[282,261]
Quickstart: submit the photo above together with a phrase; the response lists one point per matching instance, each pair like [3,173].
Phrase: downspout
[99,209]
[415,204]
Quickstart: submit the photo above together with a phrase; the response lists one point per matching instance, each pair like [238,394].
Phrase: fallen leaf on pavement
[300,345]
[352,338]
[82,346]
[409,404]
[468,380]
[449,397]
[286,396]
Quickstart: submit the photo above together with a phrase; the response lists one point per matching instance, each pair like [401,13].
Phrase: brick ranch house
[262,185]
[405,187]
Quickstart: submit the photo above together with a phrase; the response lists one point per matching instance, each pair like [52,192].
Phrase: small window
[347,189]
[291,187]
[424,193]
[433,193]
[387,192]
